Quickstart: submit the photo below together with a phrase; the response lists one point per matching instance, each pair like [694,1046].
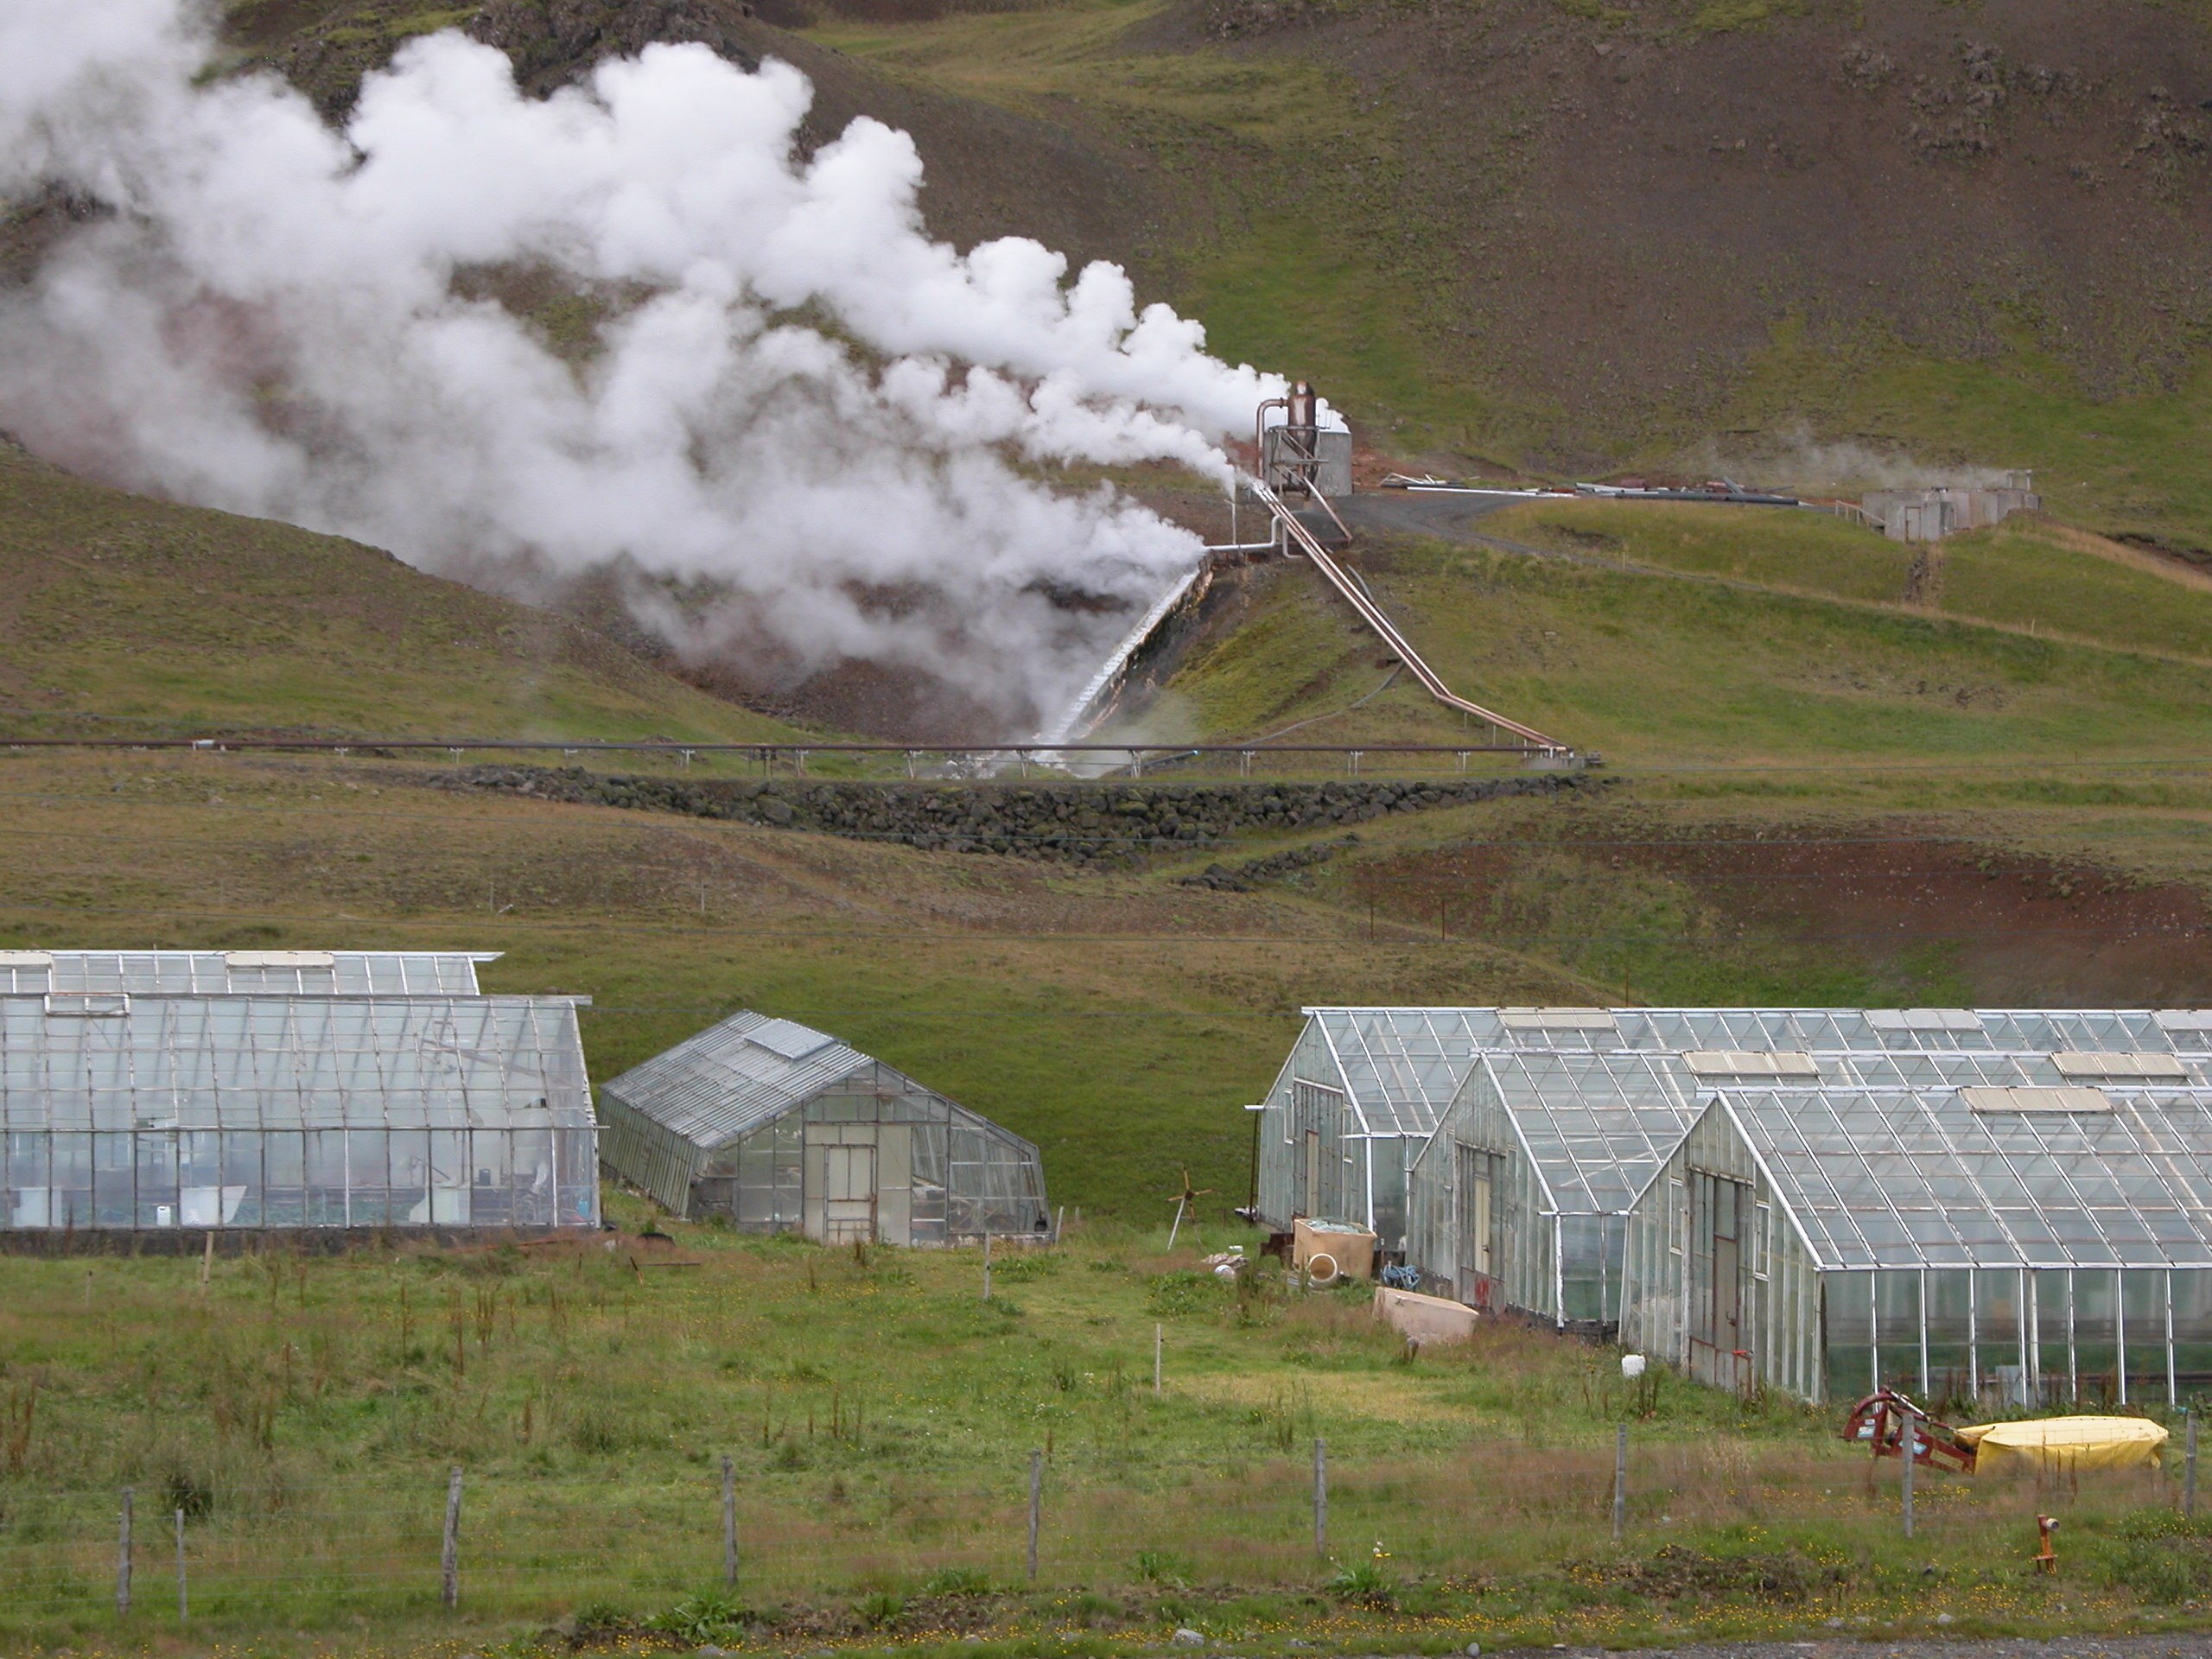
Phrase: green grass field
[879,1416]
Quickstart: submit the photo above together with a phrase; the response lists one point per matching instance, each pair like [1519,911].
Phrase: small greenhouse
[125,1109]
[2011,1228]
[779,1128]
[1520,1199]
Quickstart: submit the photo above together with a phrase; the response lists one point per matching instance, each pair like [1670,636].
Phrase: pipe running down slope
[1372,613]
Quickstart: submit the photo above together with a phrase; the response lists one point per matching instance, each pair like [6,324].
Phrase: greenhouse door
[848,1194]
[1480,1254]
[1719,1335]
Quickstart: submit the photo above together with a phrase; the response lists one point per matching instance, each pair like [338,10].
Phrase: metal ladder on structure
[1343,581]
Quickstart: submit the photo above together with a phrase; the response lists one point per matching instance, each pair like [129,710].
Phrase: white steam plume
[269,323]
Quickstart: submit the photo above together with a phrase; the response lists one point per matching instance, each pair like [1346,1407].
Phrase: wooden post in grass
[1620,1483]
[183,1607]
[729,1524]
[1036,1507]
[1320,1497]
[122,1561]
[1156,1339]
[986,1264]
[449,1561]
[1912,1457]
[2189,1461]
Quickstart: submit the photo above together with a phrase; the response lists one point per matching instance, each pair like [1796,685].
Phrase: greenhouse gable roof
[1963,1176]
[1596,1126]
[1402,1067]
[733,1077]
[110,1062]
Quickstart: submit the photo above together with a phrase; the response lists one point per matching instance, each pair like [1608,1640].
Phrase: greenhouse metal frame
[2012,1228]
[778,1128]
[1519,1199]
[1360,1092]
[125,1111]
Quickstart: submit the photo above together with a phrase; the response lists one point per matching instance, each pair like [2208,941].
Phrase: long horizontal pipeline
[346,744]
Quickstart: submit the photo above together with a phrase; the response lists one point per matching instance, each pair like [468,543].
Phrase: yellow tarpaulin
[2056,1444]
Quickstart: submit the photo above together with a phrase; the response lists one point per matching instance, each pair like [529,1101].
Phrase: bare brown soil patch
[2006,928]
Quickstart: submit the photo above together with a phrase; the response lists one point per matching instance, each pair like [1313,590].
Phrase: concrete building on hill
[778,1128]
[1931,513]
[167,1092]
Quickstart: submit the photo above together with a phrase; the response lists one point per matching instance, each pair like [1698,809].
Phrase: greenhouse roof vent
[2147,1068]
[1557,1020]
[788,1040]
[87,1005]
[2035,1100]
[1924,1020]
[1741,1063]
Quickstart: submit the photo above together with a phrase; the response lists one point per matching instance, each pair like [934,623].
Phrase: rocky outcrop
[1114,822]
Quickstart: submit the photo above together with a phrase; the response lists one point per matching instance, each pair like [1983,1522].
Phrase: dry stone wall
[1080,823]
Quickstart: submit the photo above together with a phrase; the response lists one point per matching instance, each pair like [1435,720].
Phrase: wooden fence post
[1320,1497]
[1620,1483]
[1036,1507]
[122,1561]
[729,1524]
[183,1607]
[1156,1340]
[449,1562]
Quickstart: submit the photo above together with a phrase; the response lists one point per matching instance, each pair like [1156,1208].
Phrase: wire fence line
[534,1542]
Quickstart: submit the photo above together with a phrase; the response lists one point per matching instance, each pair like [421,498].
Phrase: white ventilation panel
[1924,1020]
[26,959]
[788,1038]
[279,959]
[2035,1099]
[1557,1020]
[1747,1063]
[87,1005]
[2147,1068]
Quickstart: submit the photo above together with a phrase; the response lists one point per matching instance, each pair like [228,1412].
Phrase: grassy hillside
[132,615]
[1665,637]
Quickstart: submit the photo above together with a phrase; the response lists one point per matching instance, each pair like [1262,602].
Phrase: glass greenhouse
[779,1128]
[2009,1227]
[131,1110]
[1519,1199]
[1362,1090]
